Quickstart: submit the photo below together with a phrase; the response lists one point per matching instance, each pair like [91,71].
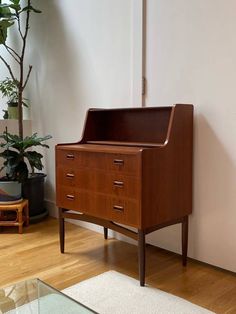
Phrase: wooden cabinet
[132,166]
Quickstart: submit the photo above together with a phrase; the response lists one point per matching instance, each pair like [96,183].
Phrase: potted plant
[18,12]
[16,153]
[9,89]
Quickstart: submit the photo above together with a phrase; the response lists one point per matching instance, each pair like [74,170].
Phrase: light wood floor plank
[36,253]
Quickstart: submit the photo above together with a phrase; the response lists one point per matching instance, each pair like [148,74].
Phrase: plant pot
[10,192]
[13,110]
[33,190]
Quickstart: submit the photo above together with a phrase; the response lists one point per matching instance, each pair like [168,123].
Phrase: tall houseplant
[15,13]
[15,17]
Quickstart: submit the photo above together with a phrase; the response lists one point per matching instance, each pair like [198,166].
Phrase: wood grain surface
[36,253]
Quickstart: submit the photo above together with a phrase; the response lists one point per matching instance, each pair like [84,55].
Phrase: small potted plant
[17,155]
[9,89]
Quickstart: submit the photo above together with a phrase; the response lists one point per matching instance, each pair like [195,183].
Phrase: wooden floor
[35,253]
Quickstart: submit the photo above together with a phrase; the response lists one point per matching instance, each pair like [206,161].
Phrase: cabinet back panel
[144,125]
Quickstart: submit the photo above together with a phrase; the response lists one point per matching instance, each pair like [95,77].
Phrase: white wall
[191,57]
[12,126]
[83,57]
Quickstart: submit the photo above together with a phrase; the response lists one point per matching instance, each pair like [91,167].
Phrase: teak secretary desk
[132,167]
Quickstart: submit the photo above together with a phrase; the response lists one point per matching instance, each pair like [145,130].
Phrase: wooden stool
[22,214]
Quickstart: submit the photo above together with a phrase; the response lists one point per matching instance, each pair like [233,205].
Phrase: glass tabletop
[36,297]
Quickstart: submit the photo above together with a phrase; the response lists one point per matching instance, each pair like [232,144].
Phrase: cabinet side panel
[167,173]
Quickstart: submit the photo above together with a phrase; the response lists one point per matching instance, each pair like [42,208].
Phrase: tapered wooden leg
[20,228]
[20,220]
[27,214]
[184,240]
[141,255]
[105,233]
[61,230]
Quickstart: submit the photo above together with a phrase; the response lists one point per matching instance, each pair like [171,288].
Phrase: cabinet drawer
[73,159]
[75,177]
[99,181]
[116,184]
[125,211]
[67,157]
[67,197]
[84,202]
[119,163]
[120,210]
[74,199]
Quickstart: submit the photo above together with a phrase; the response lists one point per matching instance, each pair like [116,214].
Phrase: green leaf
[9,89]
[4,5]
[9,154]
[15,7]
[5,11]
[22,171]
[33,140]
[4,25]
[16,2]
[11,163]
[34,159]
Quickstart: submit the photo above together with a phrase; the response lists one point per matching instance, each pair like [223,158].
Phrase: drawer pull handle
[119,184]
[70,197]
[70,175]
[117,207]
[118,161]
[70,156]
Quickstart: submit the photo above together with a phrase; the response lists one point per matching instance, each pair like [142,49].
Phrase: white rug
[114,293]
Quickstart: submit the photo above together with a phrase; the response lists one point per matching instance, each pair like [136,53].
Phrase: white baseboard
[52,208]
